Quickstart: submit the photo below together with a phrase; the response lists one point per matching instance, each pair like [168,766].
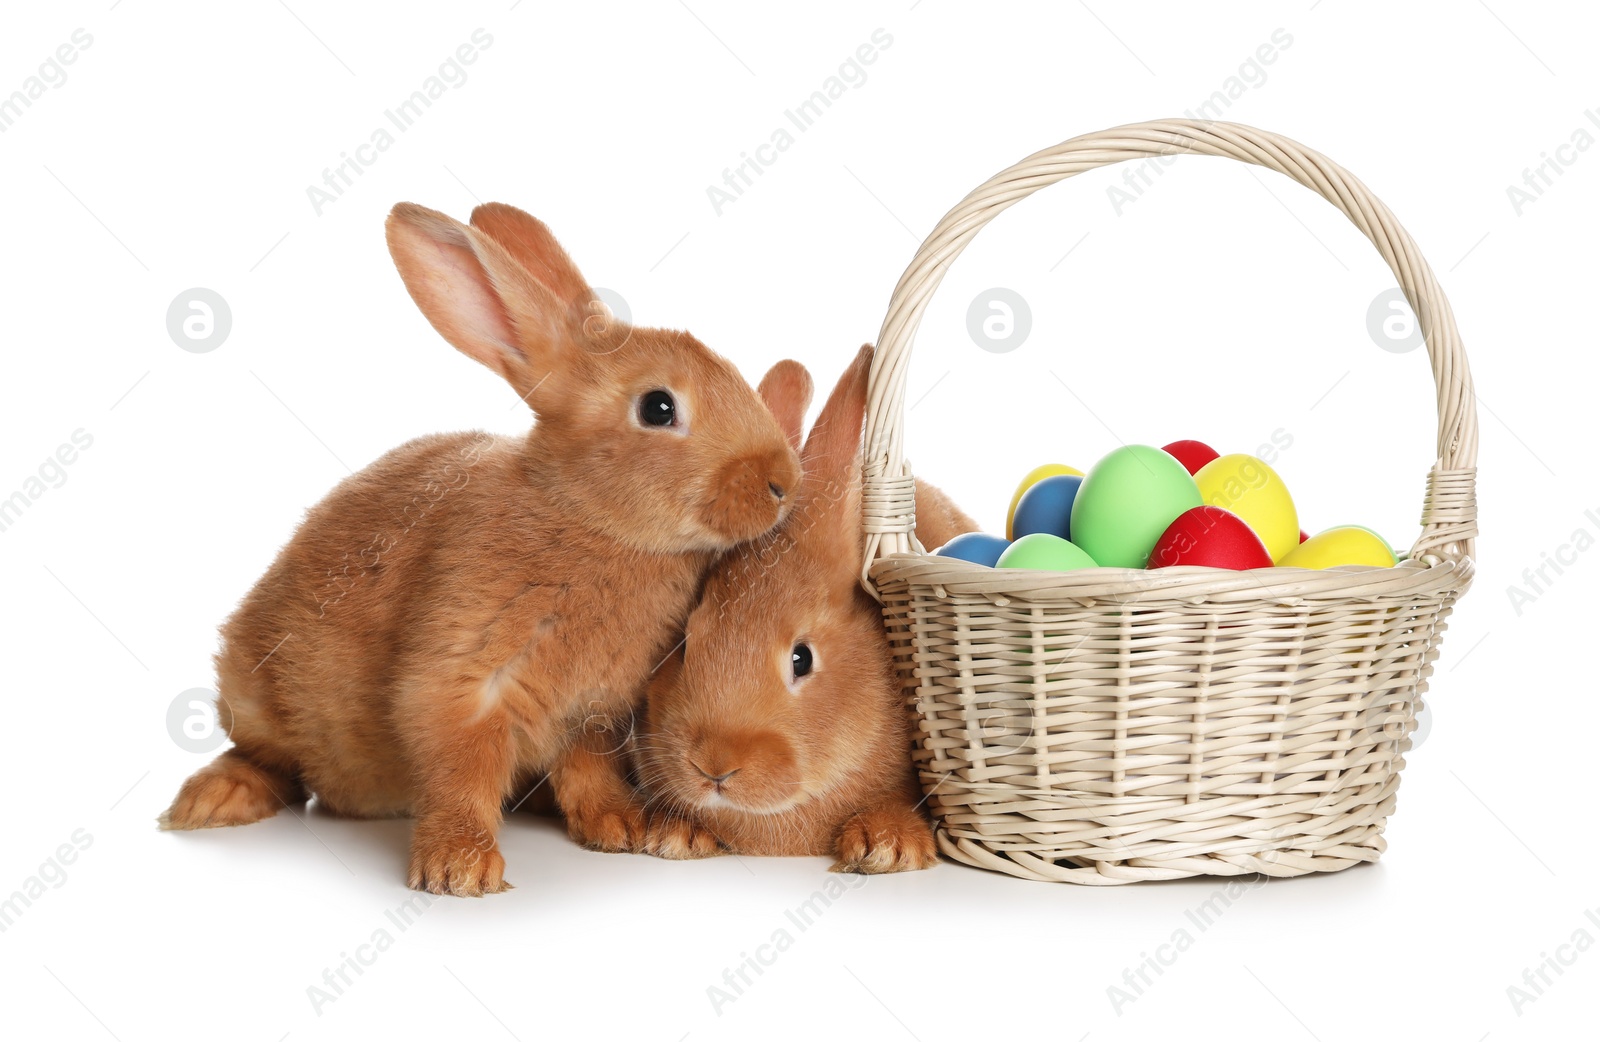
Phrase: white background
[1224,304]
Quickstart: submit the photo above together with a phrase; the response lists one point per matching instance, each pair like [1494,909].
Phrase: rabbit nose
[717,779]
[777,490]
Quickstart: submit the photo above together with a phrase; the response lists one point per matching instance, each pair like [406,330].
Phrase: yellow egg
[1037,474]
[1253,490]
[1340,546]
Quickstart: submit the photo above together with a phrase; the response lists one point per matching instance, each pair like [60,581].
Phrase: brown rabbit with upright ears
[449,618]
[779,727]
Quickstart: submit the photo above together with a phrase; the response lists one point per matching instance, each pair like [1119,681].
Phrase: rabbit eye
[800,660]
[657,409]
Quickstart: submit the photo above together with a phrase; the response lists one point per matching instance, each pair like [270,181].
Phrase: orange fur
[471,609]
[939,520]
[819,767]
[787,389]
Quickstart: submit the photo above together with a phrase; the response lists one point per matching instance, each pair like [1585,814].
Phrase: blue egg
[1047,507]
[977,547]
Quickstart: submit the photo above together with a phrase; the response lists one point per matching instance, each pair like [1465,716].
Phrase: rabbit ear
[833,448]
[787,391]
[479,298]
[831,460]
[528,240]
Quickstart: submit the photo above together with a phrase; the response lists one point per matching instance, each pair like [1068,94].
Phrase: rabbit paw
[876,841]
[231,790]
[615,826]
[679,839]
[457,864]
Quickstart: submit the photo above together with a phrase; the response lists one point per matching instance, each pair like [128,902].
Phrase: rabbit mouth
[750,496]
[751,774]
[714,801]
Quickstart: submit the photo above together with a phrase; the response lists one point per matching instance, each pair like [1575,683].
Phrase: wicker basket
[1112,725]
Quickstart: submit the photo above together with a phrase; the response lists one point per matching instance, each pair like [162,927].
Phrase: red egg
[1211,537]
[1192,454]
[1303,536]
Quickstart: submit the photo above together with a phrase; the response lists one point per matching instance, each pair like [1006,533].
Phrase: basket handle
[1449,508]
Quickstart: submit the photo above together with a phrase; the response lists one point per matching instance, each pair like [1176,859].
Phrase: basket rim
[1430,576]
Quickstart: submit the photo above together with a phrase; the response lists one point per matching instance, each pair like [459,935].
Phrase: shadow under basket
[1107,725]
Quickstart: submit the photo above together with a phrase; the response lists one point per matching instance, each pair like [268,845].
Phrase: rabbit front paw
[614,826]
[456,862]
[679,838]
[894,840]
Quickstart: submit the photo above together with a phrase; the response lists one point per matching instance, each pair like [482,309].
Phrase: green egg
[1127,502]
[1046,553]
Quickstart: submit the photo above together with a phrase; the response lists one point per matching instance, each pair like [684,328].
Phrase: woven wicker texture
[1113,725]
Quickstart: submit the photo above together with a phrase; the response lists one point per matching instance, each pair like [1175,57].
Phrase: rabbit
[779,726]
[456,614]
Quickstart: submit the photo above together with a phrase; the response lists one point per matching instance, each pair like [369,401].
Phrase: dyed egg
[1340,546]
[1126,503]
[977,547]
[1212,537]
[1047,507]
[1248,487]
[1364,528]
[1035,475]
[1192,454]
[1046,553]
[1303,536]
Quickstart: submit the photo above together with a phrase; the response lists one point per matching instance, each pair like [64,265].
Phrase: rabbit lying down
[443,622]
[779,726]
